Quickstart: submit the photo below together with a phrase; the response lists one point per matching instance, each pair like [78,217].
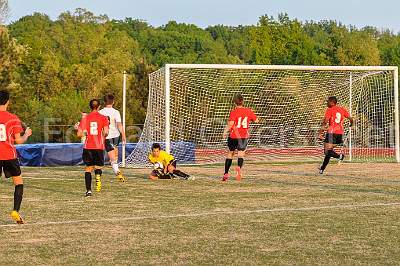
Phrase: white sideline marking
[191,215]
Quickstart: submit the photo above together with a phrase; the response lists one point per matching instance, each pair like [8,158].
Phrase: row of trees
[53,67]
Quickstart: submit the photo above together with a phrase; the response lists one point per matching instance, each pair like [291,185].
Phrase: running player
[334,117]
[115,133]
[10,132]
[164,164]
[95,127]
[238,129]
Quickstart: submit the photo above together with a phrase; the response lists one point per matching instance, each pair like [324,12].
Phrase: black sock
[88,181]
[327,158]
[228,163]
[240,162]
[326,161]
[18,192]
[180,174]
[334,154]
[98,172]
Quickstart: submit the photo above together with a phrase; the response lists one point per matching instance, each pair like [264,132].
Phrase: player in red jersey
[238,129]
[95,127]
[333,123]
[10,133]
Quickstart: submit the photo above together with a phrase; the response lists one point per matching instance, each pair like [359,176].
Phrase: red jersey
[335,116]
[92,125]
[9,126]
[241,117]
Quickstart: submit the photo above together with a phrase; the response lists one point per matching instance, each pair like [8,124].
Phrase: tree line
[52,67]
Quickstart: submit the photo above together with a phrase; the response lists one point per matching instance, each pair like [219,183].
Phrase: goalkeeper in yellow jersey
[164,165]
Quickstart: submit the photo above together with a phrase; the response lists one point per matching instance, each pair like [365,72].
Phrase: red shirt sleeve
[82,124]
[16,126]
[253,116]
[328,114]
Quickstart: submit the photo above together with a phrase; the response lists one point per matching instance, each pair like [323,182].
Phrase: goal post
[189,106]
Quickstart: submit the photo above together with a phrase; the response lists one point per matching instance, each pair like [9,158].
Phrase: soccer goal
[189,105]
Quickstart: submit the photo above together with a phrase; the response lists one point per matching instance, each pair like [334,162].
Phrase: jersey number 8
[338,118]
[94,129]
[3,132]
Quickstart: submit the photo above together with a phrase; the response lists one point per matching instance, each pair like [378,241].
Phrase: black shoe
[341,158]
[88,193]
[320,171]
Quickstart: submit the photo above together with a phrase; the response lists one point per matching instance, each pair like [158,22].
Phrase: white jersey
[115,117]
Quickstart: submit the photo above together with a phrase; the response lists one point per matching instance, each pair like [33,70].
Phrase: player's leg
[88,180]
[242,146]
[99,163]
[172,170]
[89,163]
[12,169]
[112,151]
[232,146]
[329,144]
[97,174]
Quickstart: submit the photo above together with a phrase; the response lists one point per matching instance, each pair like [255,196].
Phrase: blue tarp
[56,154]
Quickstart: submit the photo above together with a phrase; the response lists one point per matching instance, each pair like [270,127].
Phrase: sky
[383,14]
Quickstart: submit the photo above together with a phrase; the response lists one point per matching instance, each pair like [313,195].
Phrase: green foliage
[54,67]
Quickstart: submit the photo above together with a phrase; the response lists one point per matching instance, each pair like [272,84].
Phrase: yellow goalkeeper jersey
[163,158]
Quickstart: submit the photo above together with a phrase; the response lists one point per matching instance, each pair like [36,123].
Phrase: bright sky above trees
[381,14]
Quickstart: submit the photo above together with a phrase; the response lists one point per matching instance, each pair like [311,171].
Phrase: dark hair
[156,146]
[332,99]
[4,97]
[109,99]
[94,104]
[238,99]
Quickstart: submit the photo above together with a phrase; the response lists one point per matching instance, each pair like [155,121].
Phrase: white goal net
[189,105]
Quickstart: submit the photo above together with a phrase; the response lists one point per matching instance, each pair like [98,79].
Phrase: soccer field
[279,214]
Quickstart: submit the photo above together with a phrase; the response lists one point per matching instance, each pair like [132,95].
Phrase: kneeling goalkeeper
[164,165]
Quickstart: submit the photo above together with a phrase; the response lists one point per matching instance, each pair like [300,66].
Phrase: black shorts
[10,168]
[237,144]
[111,144]
[160,174]
[93,157]
[333,138]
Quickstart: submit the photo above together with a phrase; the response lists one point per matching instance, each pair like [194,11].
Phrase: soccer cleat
[98,183]
[17,217]
[88,193]
[320,171]
[225,177]
[120,177]
[238,173]
[341,158]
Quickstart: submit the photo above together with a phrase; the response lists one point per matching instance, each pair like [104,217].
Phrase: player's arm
[122,131]
[351,120]
[120,127]
[106,130]
[79,133]
[255,118]
[228,128]
[22,139]
[323,128]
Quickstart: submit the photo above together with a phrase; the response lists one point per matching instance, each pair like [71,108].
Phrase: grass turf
[279,214]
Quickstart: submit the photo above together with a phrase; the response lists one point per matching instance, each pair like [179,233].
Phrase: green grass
[279,214]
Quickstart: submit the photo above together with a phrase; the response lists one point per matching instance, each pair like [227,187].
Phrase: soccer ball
[158,166]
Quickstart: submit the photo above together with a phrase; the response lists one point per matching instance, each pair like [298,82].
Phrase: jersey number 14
[242,122]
